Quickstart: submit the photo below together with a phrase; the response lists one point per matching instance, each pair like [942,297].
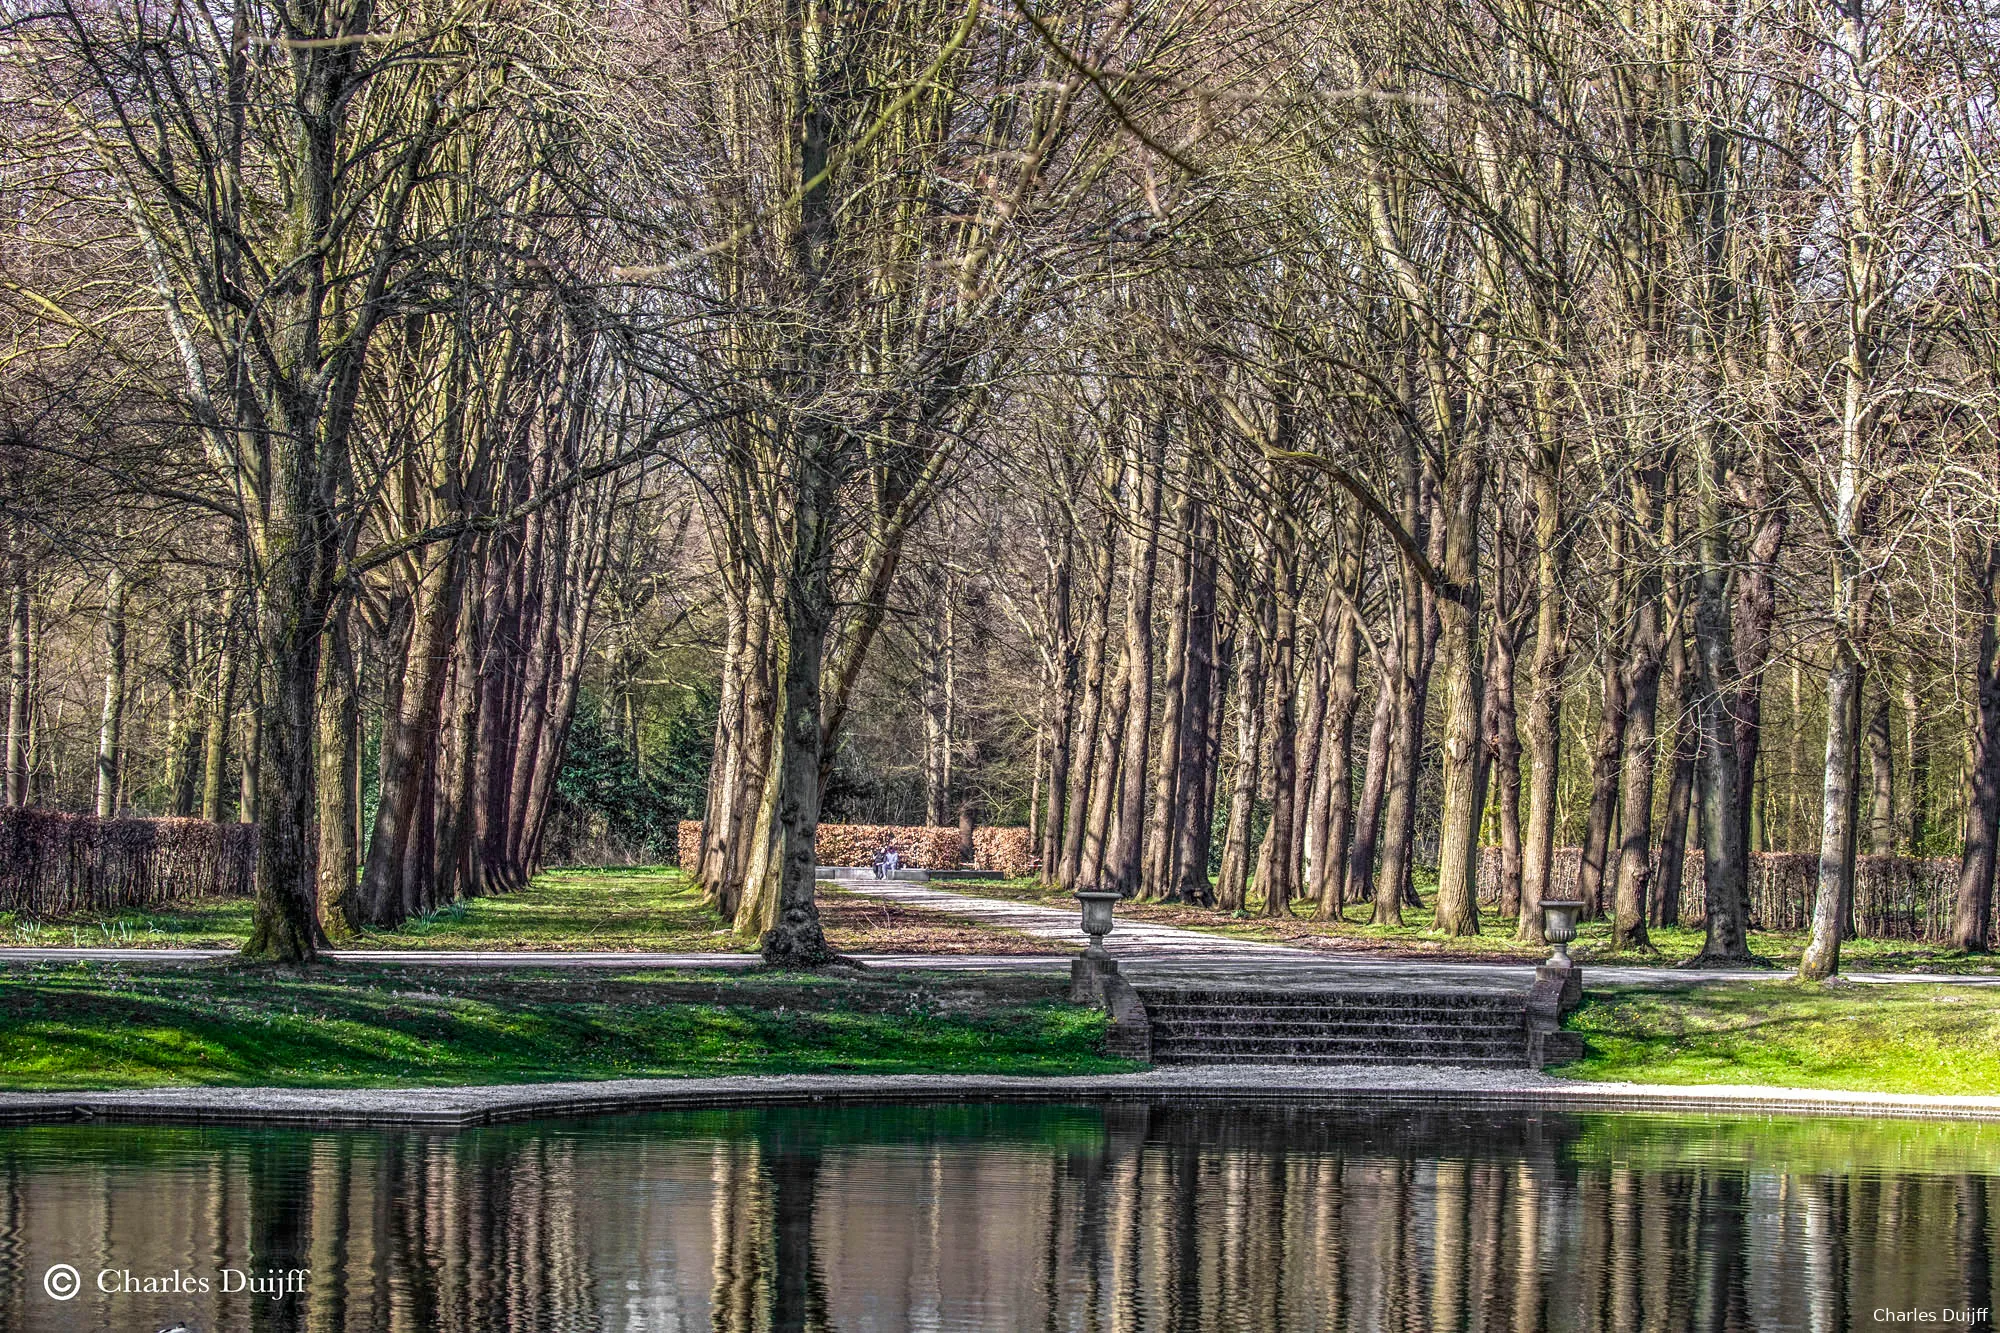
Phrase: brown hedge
[690,842]
[52,863]
[1005,851]
[1895,897]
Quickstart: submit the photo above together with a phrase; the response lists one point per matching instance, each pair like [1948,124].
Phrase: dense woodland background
[1269,449]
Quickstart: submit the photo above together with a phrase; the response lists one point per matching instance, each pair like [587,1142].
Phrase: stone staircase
[1207,1026]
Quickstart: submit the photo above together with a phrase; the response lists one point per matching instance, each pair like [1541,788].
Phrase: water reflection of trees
[1170,1218]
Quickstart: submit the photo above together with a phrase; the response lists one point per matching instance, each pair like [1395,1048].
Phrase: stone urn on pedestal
[1559,918]
[1087,973]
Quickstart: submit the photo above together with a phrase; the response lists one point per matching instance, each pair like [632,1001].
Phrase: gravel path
[1373,1085]
[1147,950]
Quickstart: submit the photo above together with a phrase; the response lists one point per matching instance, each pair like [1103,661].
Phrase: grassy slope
[1895,1038]
[114,1025]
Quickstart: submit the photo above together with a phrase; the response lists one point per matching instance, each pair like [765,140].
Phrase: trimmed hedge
[1009,852]
[52,863]
[1005,851]
[1895,897]
[689,840]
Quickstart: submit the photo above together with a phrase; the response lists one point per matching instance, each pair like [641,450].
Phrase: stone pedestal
[1088,973]
[1568,977]
[1558,989]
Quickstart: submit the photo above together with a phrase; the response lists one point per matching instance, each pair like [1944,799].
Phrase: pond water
[1119,1217]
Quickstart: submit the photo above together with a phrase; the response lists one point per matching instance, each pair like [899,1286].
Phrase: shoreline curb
[470,1107]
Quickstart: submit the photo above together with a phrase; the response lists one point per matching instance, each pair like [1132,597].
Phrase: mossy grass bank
[120,1025]
[1908,1037]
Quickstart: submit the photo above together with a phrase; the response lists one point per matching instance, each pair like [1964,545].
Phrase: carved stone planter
[1559,917]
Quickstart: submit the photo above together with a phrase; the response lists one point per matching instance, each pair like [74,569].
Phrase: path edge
[469,1107]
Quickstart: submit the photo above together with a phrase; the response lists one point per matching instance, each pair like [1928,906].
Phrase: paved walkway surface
[1375,1086]
[1147,952]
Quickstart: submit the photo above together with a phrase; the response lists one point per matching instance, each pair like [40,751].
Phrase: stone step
[1319,1013]
[1359,1012]
[1178,1030]
[1242,997]
[1212,1024]
[1513,1060]
[1414,1042]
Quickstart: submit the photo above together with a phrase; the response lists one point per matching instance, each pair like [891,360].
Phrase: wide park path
[1145,948]
[1146,951]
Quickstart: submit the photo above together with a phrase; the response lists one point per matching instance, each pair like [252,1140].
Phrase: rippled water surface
[1127,1217]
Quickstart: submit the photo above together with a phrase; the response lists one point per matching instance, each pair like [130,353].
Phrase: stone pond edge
[1372,1086]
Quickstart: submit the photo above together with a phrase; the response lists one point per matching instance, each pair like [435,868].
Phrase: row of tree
[1266,449]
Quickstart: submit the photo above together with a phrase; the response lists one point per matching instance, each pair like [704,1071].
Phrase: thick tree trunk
[1635,817]
[1405,751]
[499,684]
[339,779]
[795,938]
[1106,765]
[250,789]
[725,755]
[458,758]
[1972,914]
[1916,762]
[1360,886]
[1121,872]
[1462,648]
[1194,790]
[111,724]
[1097,629]
[1277,872]
[1232,880]
[751,757]
[1545,671]
[18,663]
[572,641]
[410,734]
[1156,874]
[183,735]
[1062,722]
[215,748]
[297,552]
[1503,739]
[1605,771]
[1834,894]
[1756,608]
[940,677]
[1309,790]
[530,723]
[762,858]
[1881,772]
[1458,840]
[1724,879]
[1333,787]
[1223,670]
[1680,785]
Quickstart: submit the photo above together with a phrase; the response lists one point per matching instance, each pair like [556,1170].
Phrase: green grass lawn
[643,909]
[1891,1038]
[90,1025]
